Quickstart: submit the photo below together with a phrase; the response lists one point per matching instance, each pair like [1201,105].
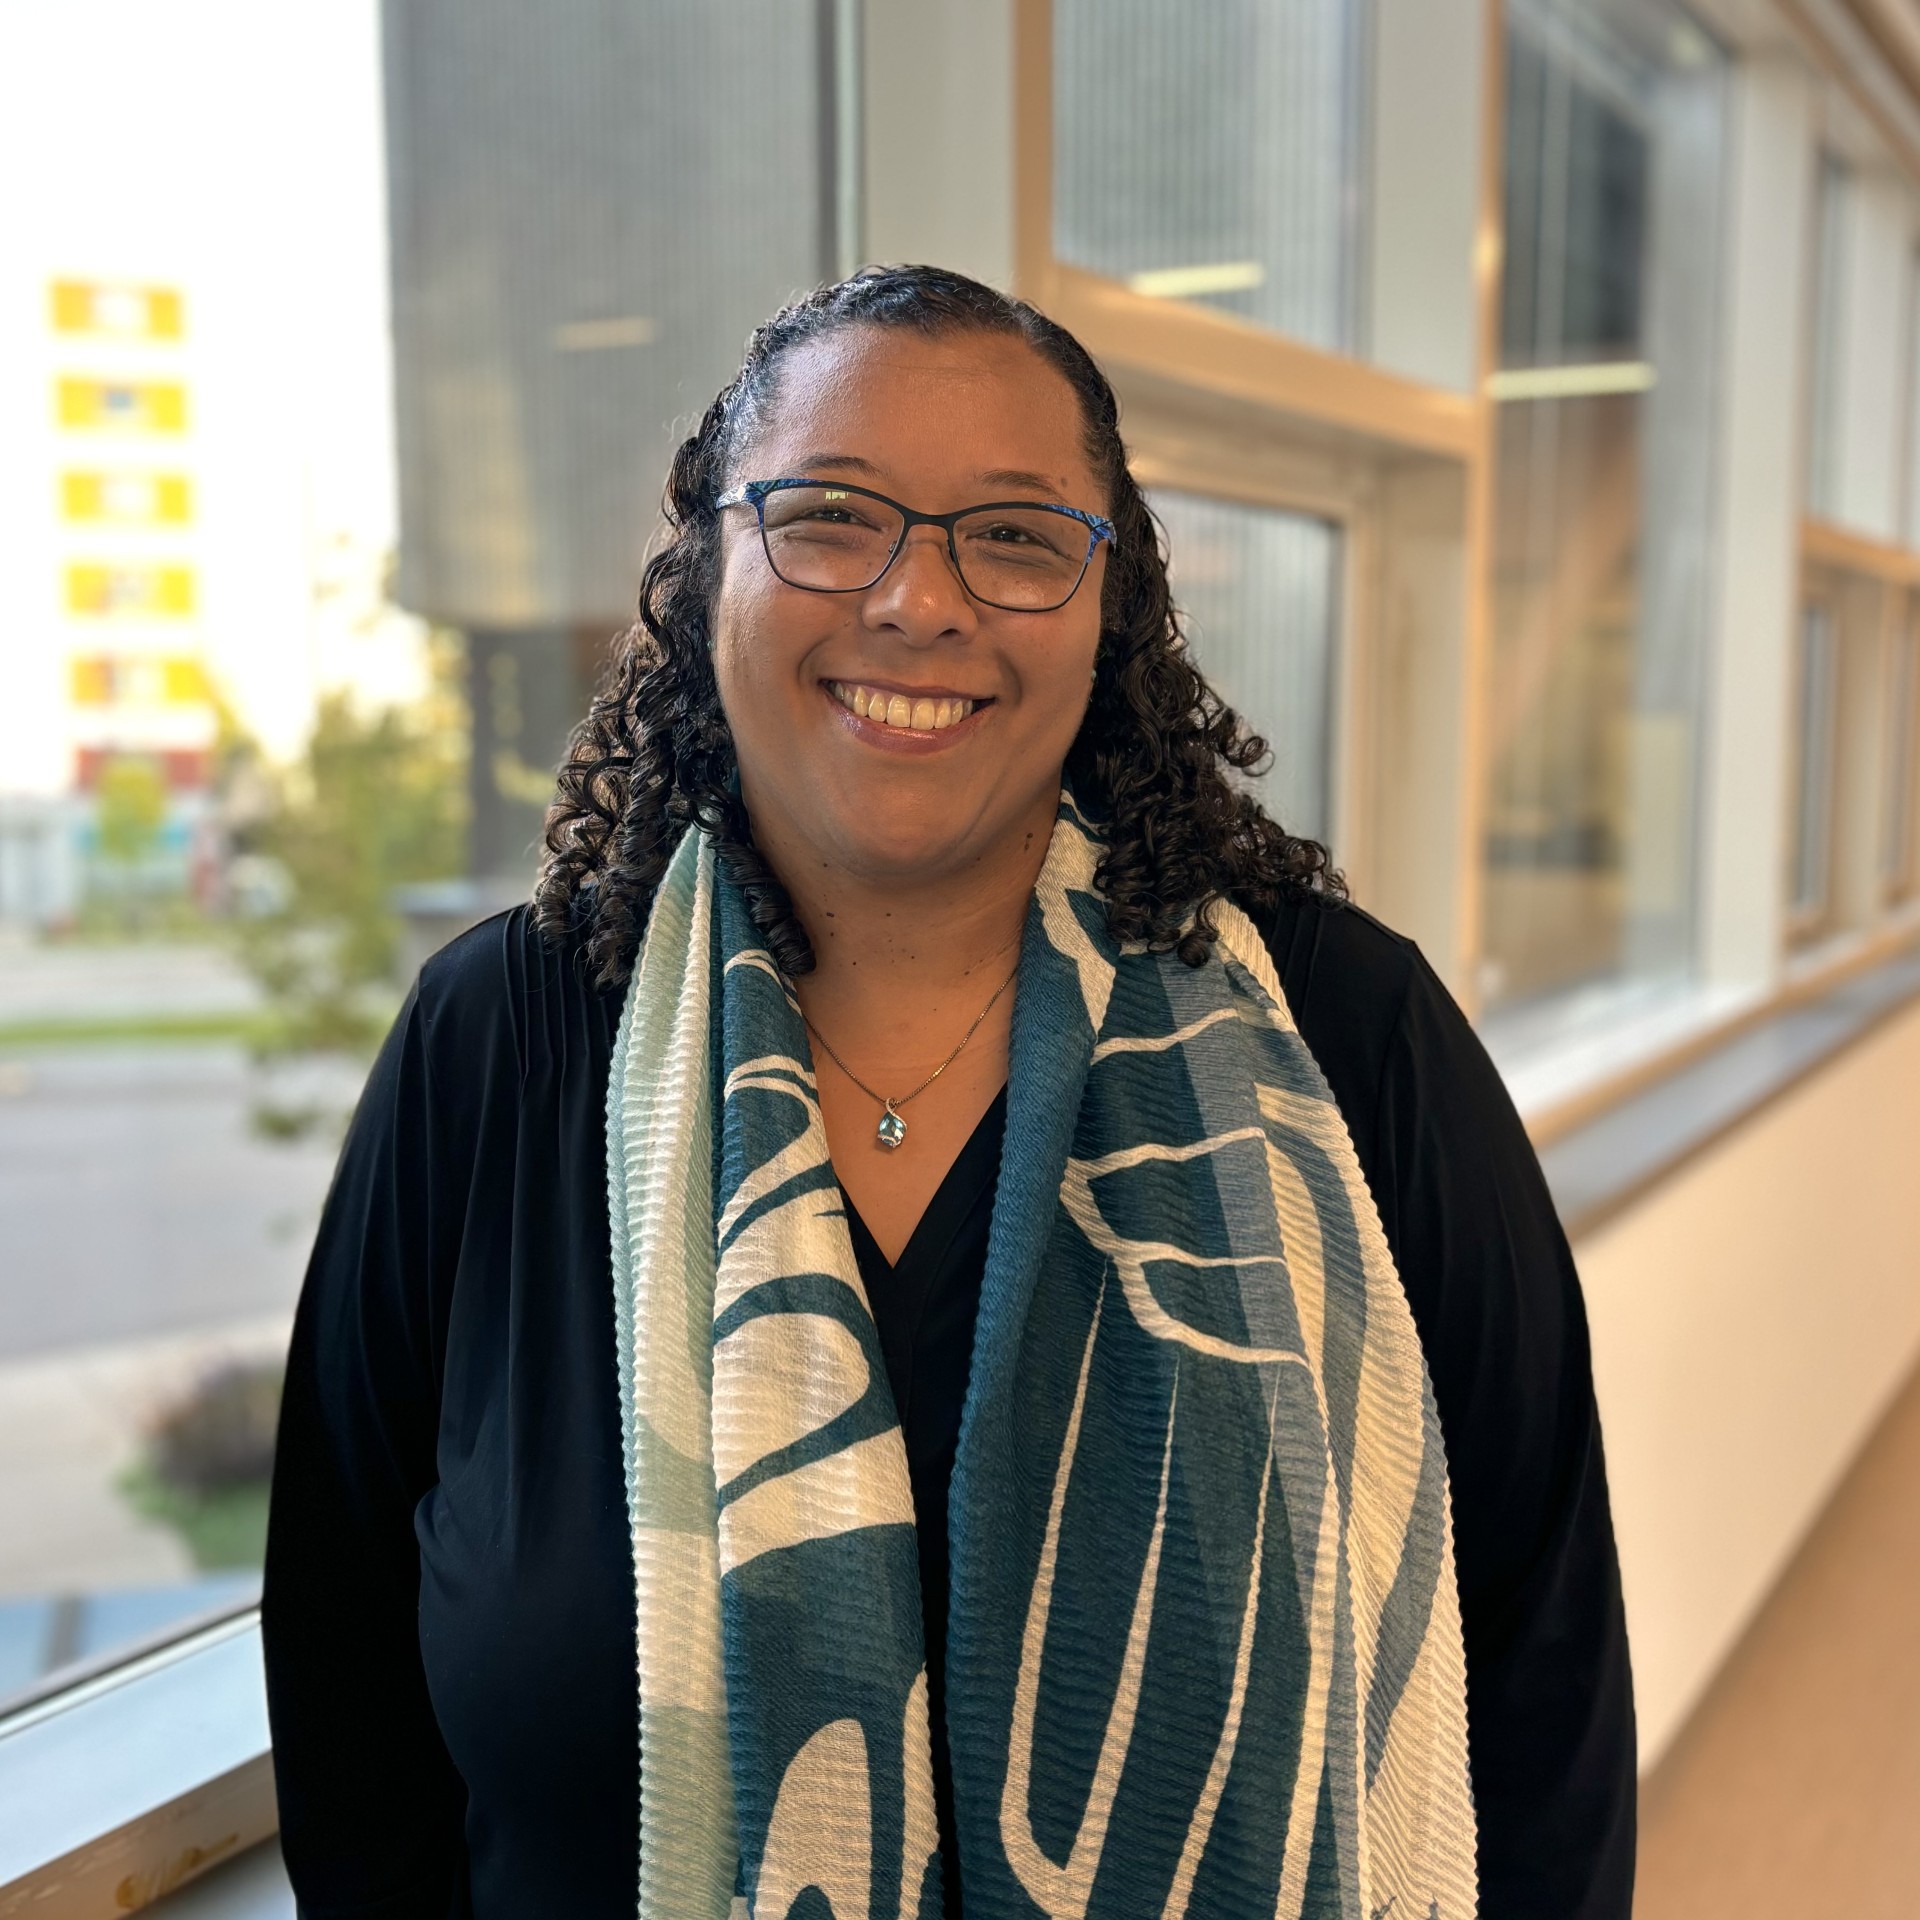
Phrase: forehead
[924,416]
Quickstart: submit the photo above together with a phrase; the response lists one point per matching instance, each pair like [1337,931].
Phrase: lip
[908,740]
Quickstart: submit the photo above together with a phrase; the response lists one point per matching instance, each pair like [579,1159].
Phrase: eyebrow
[1020,477]
[811,460]
[994,477]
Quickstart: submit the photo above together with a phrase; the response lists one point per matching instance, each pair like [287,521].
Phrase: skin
[910,859]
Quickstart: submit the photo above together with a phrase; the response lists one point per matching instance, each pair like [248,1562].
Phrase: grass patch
[106,1029]
[222,1529]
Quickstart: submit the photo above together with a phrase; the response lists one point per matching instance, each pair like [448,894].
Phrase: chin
[907,847]
[902,829]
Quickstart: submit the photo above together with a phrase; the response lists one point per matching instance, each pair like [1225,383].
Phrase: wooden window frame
[1216,404]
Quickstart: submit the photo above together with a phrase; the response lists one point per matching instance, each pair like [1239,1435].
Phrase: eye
[1037,534]
[825,510]
[841,510]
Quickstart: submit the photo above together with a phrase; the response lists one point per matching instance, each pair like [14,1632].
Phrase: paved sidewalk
[74,981]
[70,1424]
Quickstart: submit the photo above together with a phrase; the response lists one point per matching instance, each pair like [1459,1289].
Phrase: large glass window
[1900,839]
[1832,205]
[1604,498]
[1911,478]
[1816,741]
[1258,593]
[1212,154]
[314,538]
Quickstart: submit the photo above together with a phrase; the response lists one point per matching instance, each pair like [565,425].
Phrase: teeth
[896,710]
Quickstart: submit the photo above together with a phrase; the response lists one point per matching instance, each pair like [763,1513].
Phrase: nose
[920,596]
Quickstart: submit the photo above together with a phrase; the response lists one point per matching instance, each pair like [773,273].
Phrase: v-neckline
[953,1199]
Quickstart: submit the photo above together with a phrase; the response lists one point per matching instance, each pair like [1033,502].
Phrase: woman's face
[936,424]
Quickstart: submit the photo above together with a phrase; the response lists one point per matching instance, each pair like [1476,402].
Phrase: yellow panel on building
[132,406]
[94,588]
[111,307]
[135,499]
[91,682]
[184,683]
[143,680]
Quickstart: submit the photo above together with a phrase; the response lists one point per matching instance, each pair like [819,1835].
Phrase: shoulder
[1328,949]
[493,995]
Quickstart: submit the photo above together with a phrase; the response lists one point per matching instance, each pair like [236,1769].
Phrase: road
[58,981]
[135,1200]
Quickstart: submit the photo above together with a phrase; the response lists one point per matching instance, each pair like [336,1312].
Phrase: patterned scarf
[1204,1650]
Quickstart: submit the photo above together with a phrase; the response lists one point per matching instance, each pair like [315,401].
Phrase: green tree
[130,814]
[379,799]
[132,802]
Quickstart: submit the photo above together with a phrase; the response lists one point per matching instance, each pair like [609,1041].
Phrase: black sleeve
[1493,1289]
[371,1807]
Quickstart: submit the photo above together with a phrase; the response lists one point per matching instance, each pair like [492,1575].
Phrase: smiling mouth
[922,713]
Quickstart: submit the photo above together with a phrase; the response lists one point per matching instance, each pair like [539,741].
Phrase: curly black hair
[1152,762]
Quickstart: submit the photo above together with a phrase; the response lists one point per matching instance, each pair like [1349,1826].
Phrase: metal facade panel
[592,202]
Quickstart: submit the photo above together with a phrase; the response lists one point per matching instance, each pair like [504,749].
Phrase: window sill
[1605,1160]
[252,1886]
[1610,1047]
[1597,1049]
[137,1780]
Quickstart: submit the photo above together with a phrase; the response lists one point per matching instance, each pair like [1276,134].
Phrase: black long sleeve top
[449,1603]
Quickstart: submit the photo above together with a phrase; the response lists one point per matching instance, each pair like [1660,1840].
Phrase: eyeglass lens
[825,538]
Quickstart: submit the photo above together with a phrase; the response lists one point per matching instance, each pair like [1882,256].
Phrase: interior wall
[1752,1318]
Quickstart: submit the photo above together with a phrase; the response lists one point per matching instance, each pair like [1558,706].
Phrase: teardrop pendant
[892,1130]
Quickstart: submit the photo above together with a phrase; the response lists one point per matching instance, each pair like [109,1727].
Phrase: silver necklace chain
[892,1130]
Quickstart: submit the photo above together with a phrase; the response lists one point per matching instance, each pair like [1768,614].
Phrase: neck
[922,950]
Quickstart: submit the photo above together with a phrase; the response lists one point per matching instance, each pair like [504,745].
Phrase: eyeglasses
[1017,555]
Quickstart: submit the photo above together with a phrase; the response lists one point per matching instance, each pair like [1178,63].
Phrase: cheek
[1058,677]
[751,640]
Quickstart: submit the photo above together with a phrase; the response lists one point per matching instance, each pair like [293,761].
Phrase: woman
[940,1317]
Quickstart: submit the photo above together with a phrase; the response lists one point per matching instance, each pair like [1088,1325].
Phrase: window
[1911,479]
[153,406]
[1212,154]
[1825,452]
[524,242]
[1604,498]
[1900,838]
[1258,591]
[1816,725]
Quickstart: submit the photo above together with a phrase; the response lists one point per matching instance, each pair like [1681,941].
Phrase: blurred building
[195,425]
[578,257]
[117,701]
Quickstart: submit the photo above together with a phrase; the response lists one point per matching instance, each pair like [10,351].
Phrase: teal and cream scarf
[1203,1652]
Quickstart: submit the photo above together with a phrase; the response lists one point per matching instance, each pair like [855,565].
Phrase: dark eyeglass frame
[755,494]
